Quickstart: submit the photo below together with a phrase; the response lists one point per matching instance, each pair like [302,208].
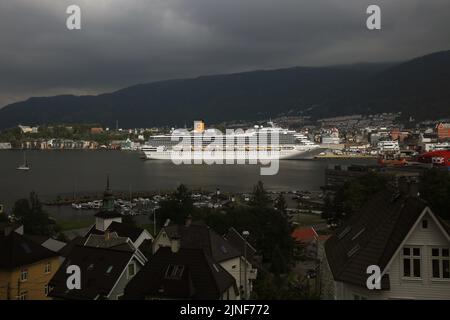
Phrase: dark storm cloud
[124,42]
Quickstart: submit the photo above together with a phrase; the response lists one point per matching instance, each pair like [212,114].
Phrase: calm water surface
[58,172]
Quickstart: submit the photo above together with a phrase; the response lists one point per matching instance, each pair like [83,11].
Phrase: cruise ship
[270,142]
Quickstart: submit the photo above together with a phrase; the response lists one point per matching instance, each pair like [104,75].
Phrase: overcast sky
[125,42]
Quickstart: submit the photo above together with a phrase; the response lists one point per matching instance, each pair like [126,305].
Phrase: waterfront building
[443,131]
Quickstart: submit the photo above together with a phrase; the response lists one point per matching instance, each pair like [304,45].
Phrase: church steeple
[108,198]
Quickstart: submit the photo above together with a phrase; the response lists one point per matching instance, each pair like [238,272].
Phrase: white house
[402,236]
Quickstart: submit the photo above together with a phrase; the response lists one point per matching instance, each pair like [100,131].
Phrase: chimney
[175,244]
[188,220]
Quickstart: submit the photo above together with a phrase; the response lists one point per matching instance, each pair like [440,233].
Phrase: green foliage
[280,203]
[353,194]
[34,219]
[269,229]
[177,207]
[435,189]
[286,287]
[259,196]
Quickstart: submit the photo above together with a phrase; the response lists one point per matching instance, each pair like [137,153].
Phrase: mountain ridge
[411,87]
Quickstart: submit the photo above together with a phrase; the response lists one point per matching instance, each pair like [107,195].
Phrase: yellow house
[25,268]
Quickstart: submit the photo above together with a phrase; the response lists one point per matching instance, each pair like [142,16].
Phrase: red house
[443,131]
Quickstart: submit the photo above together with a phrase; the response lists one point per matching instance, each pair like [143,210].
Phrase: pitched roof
[304,234]
[200,278]
[100,269]
[371,236]
[17,250]
[122,229]
[114,241]
[198,235]
[238,242]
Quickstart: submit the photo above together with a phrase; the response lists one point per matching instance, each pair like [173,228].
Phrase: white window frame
[134,270]
[23,275]
[48,267]
[440,258]
[23,295]
[46,289]
[411,257]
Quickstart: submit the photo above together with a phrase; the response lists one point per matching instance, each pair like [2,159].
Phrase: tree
[177,207]
[280,203]
[435,189]
[259,196]
[34,219]
[353,194]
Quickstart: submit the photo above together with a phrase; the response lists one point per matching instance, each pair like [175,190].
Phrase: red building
[443,131]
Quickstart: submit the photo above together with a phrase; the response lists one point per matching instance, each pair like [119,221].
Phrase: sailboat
[24,166]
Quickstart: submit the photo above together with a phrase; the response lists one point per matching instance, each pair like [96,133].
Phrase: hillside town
[347,136]
[261,245]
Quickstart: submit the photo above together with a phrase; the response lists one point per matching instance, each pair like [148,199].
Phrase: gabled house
[232,255]
[104,273]
[182,273]
[403,237]
[26,267]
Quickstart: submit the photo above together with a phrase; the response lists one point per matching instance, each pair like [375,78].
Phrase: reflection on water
[68,172]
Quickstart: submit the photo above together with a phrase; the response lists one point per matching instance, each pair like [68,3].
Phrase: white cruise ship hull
[235,156]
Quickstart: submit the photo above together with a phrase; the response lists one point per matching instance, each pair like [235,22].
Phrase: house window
[48,267]
[46,289]
[424,224]
[131,270]
[440,263]
[23,295]
[411,262]
[24,275]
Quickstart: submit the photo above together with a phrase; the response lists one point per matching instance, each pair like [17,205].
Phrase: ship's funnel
[199,126]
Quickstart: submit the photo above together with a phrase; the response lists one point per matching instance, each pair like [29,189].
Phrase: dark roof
[105,214]
[70,245]
[371,236]
[198,235]
[36,238]
[146,248]
[238,242]
[114,241]
[17,250]
[94,263]
[122,229]
[201,278]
